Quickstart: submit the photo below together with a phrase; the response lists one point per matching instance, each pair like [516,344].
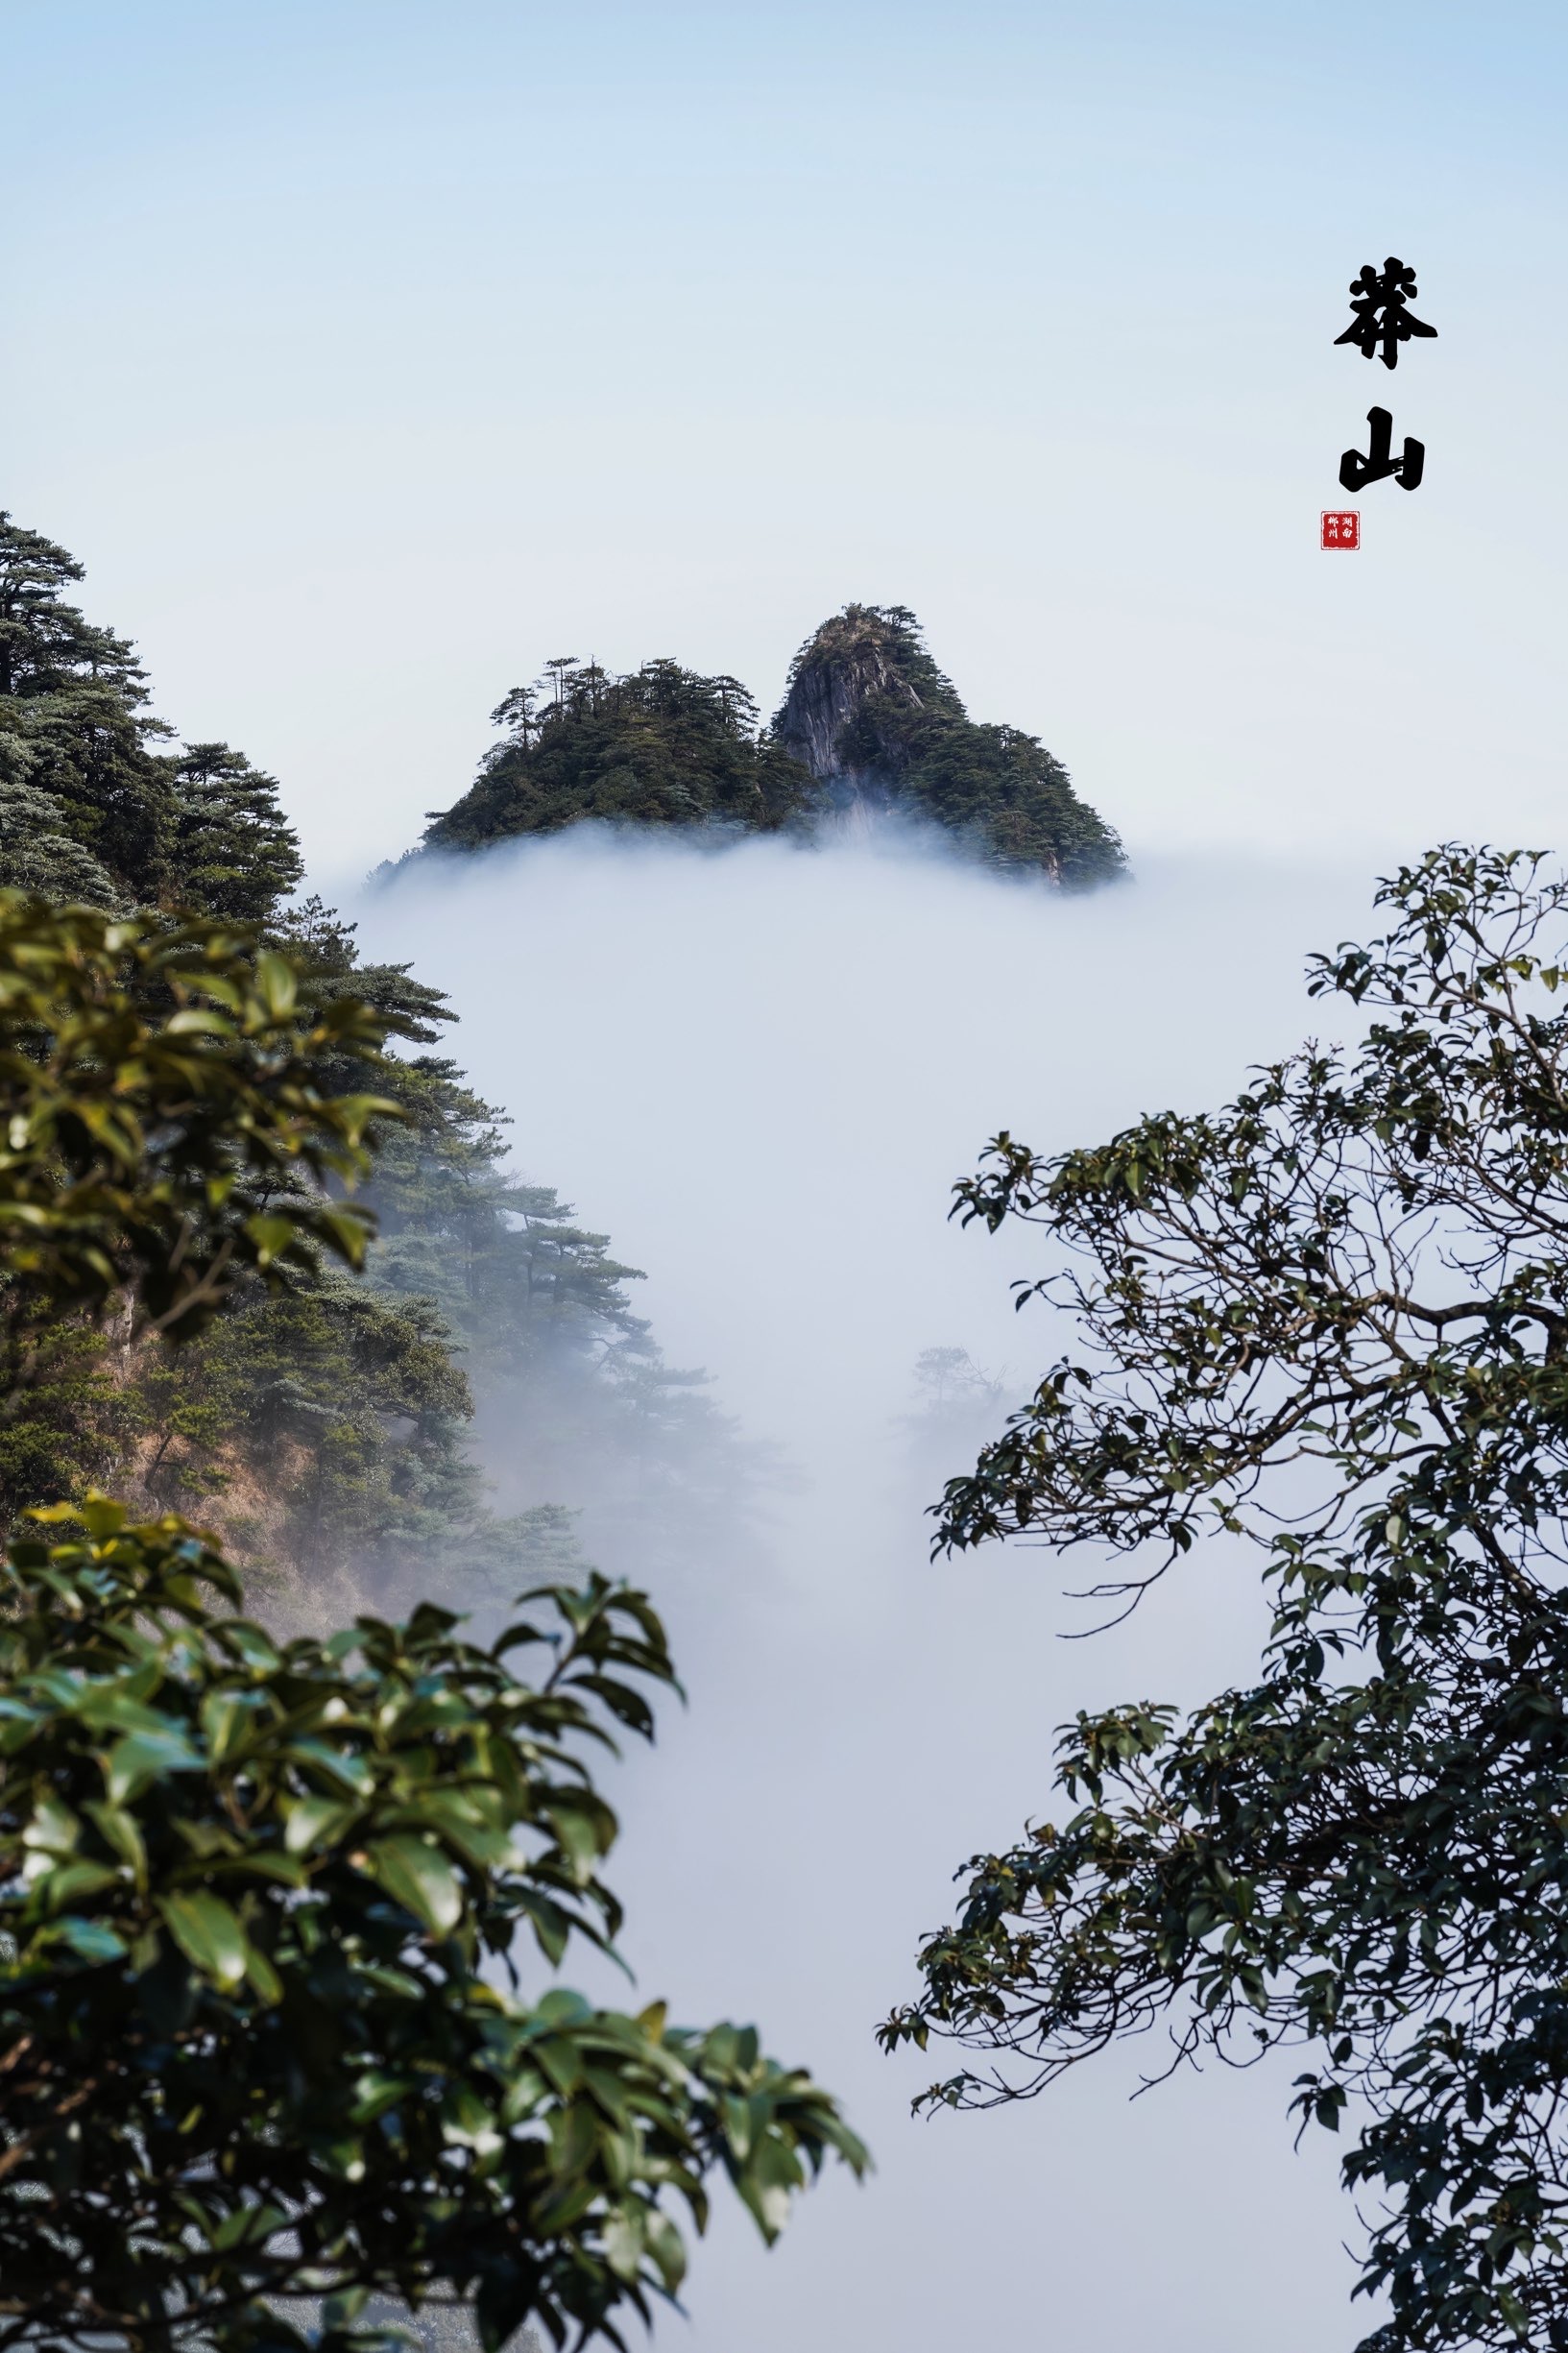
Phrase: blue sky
[370,355]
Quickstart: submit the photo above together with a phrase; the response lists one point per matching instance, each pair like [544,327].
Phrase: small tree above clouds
[949,1377]
[1331,1320]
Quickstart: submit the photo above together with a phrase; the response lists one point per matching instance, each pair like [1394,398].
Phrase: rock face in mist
[869,722]
[846,682]
[872,717]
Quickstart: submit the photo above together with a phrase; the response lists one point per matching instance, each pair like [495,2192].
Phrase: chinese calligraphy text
[1356,470]
[1382,317]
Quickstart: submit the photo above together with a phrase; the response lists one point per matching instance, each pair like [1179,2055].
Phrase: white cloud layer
[762,1070]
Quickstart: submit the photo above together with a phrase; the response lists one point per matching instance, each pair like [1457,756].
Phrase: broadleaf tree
[1331,1321]
[265,2036]
[163,1126]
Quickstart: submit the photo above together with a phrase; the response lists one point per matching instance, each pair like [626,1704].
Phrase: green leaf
[121,1832]
[347,1231]
[71,1882]
[767,2184]
[277,984]
[226,1721]
[586,1829]
[418,1876]
[265,1982]
[271,1235]
[667,2247]
[376,2092]
[197,1021]
[90,1940]
[342,1765]
[623,2242]
[51,1829]
[143,1757]
[315,1822]
[459,1820]
[210,1936]
[252,1645]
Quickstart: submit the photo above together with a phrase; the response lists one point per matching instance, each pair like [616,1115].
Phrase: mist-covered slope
[325,1428]
[869,723]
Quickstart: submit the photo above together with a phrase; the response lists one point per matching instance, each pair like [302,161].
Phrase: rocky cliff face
[878,726]
[850,687]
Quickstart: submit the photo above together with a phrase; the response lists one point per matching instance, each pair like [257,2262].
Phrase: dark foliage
[169,1127]
[256,2044]
[89,808]
[166,1129]
[1331,1319]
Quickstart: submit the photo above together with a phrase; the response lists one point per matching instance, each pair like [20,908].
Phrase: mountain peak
[862,662]
[868,722]
[868,713]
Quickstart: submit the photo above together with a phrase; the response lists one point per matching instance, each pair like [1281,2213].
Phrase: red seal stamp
[1342,529]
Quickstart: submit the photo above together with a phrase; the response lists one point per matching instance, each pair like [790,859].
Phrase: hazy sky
[371,353]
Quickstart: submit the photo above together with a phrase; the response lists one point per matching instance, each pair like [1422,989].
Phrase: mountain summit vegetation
[660,746]
[869,723]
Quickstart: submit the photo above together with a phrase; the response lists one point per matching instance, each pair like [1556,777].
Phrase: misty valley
[556,1404]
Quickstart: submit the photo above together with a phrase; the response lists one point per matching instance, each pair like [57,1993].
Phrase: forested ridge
[291,1852]
[868,722]
[329,1425]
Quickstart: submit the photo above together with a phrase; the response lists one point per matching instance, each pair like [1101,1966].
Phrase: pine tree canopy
[660,746]
[235,852]
[91,808]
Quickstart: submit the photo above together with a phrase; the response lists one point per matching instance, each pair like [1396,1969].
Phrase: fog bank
[762,1070]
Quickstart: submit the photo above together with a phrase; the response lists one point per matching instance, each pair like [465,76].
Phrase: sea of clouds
[760,1068]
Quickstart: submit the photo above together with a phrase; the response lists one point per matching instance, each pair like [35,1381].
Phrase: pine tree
[36,853]
[234,852]
[72,698]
